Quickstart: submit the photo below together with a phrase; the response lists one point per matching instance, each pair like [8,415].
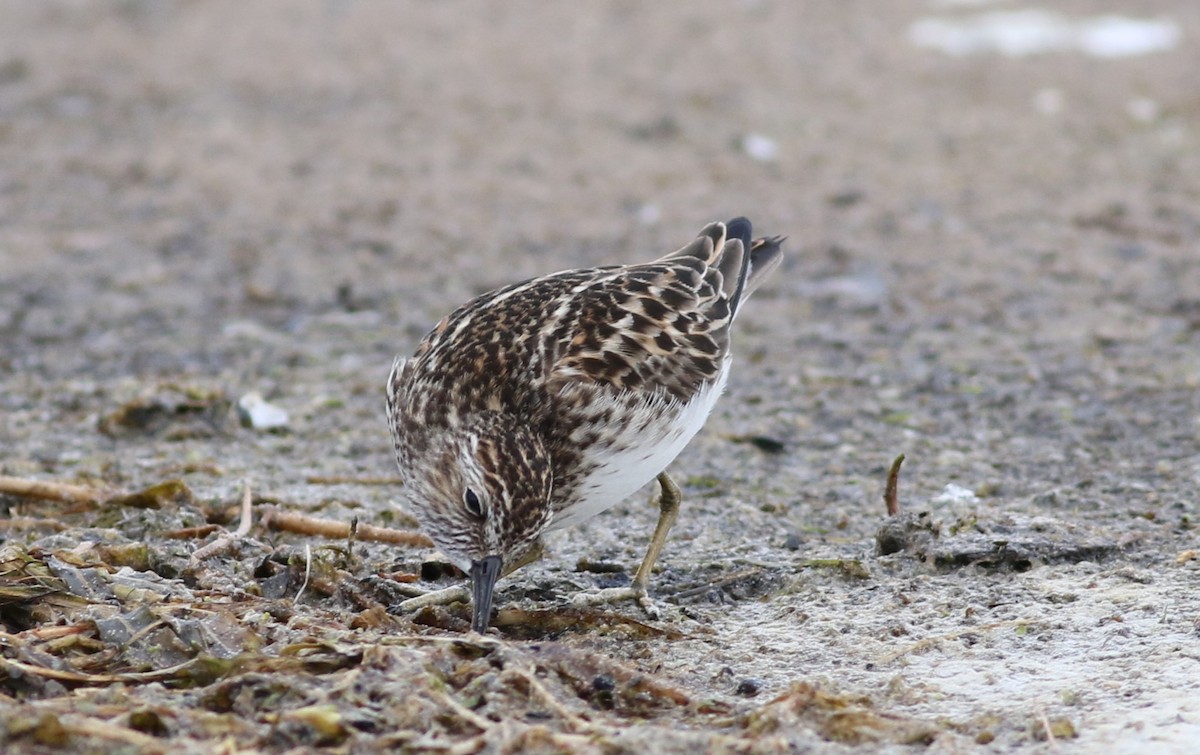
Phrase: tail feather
[743,261]
[709,240]
[735,261]
[765,255]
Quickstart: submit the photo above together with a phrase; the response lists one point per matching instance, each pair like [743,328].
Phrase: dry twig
[1050,738]
[225,542]
[86,726]
[302,524]
[517,736]
[892,491]
[307,571]
[453,594]
[460,710]
[46,633]
[32,523]
[187,533]
[51,491]
[572,720]
[475,641]
[345,480]
[134,677]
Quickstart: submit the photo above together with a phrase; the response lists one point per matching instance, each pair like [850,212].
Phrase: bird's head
[483,497]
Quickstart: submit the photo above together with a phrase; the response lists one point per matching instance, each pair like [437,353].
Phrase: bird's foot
[634,592]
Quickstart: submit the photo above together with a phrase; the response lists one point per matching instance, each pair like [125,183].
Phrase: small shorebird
[539,405]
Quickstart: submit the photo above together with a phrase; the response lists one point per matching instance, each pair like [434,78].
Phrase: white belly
[638,455]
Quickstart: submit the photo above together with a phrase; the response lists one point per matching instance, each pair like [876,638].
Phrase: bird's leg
[668,511]
[462,593]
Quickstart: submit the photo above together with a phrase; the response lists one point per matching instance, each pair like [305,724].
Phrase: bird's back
[617,367]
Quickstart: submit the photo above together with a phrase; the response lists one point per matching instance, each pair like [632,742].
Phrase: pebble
[749,687]
[257,413]
[761,148]
[953,493]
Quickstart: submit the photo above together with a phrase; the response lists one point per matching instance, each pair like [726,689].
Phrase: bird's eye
[473,504]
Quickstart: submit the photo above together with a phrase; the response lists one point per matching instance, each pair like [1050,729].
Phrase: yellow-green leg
[668,510]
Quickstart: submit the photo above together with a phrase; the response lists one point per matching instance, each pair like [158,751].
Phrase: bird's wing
[662,326]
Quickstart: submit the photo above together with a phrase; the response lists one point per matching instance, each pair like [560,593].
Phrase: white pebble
[956,494]
[761,148]
[256,412]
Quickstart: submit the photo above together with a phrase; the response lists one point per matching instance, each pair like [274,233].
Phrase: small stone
[1046,498]
[956,494]
[846,197]
[257,413]
[603,683]
[603,691]
[749,687]
[761,148]
[907,532]
[148,721]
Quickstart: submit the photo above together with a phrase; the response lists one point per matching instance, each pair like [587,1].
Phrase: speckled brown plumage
[540,404]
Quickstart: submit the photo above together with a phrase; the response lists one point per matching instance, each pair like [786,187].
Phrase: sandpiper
[539,405]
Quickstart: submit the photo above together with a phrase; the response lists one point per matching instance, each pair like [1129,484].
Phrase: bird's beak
[484,574]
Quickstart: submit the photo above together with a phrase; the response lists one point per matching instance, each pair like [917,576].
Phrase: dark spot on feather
[592,365]
[615,364]
[559,334]
[643,324]
[675,298]
[683,322]
[719,310]
[703,344]
[654,309]
[664,341]
[636,287]
[630,346]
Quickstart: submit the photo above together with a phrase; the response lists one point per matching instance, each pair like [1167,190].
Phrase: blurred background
[170,166]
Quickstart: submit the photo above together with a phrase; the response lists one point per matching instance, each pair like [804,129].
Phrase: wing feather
[663,326]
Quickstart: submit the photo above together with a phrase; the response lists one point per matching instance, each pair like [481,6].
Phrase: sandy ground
[994,268]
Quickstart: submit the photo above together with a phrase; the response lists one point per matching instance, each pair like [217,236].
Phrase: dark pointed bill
[484,574]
